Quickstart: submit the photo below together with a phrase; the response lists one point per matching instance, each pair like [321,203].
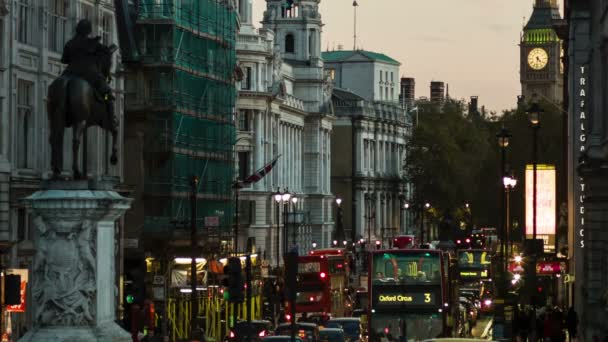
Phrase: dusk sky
[470,44]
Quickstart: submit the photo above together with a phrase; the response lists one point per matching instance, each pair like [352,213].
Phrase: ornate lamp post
[534,116]
[423,209]
[370,201]
[509,182]
[281,198]
[286,196]
[278,197]
[294,234]
[503,138]
[339,228]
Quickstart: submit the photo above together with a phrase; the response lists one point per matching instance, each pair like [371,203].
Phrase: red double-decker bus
[404,241]
[322,279]
[409,294]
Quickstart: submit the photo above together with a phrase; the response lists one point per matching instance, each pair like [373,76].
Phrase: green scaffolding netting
[211,17]
[189,49]
[194,53]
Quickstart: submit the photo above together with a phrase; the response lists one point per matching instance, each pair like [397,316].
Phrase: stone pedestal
[73,288]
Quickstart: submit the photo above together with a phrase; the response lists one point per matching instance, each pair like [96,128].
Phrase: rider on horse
[80,54]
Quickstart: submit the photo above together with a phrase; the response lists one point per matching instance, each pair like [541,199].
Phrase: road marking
[487,329]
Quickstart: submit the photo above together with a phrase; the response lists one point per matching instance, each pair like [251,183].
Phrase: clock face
[538,58]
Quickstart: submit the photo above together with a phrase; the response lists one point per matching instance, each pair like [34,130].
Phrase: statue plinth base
[74,292]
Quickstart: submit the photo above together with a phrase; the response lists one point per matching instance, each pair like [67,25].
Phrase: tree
[453,158]
[444,156]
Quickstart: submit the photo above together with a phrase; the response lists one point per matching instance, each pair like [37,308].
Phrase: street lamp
[370,200]
[339,226]
[294,200]
[503,137]
[314,244]
[534,116]
[423,209]
[278,198]
[534,112]
[281,198]
[509,183]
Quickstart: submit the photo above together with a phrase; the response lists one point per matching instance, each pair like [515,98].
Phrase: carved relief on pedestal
[64,269]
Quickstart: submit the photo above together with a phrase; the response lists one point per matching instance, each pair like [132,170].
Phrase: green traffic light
[226,295]
[130,299]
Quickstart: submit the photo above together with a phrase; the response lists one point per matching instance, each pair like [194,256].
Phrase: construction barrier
[216,311]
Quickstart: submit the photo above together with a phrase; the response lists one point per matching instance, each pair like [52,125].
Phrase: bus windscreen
[406,268]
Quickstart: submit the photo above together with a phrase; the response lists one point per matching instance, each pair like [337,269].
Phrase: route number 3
[427,297]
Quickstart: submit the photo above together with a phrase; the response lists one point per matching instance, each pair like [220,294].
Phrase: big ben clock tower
[541,70]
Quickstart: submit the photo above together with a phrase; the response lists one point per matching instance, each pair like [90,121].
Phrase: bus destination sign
[473,274]
[405,299]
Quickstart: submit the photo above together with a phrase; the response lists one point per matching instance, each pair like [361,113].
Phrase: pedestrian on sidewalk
[572,323]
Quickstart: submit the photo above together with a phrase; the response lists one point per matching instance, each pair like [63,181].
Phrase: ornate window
[25,123]
[106,28]
[25,22]
[243,120]
[243,165]
[290,43]
[57,24]
[85,12]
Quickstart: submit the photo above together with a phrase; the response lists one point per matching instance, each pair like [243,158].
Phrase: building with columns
[370,136]
[32,36]
[587,50]
[283,110]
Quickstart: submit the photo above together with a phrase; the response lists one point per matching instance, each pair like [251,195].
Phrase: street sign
[130,243]
[159,293]
[212,221]
[159,280]
[550,267]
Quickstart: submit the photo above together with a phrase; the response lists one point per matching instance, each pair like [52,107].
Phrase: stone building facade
[282,110]
[587,162]
[32,37]
[370,136]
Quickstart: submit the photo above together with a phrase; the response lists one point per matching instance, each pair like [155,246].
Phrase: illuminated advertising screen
[546,204]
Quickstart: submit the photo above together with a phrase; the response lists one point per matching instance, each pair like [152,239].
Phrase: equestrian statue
[81,97]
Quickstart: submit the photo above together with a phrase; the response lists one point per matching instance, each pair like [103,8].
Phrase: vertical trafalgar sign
[581,139]
[546,205]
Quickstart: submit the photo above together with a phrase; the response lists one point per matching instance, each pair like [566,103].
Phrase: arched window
[289,43]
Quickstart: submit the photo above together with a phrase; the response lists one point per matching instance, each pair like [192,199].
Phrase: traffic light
[234,281]
[291,275]
[134,288]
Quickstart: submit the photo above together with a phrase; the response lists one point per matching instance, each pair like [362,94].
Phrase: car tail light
[262,333]
[232,334]
[322,275]
[288,317]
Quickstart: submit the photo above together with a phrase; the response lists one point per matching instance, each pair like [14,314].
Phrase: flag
[259,174]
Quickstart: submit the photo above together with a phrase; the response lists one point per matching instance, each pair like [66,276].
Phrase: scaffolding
[188,55]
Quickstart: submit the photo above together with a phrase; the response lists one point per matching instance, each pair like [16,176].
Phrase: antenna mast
[355,5]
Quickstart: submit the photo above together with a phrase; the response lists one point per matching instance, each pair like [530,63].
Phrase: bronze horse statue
[73,102]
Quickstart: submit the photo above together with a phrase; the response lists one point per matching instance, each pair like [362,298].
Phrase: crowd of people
[546,324]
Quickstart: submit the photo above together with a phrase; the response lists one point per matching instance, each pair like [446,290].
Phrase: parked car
[332,335]
[259,330]
[308,332]
[318,319]
[350,325]
[280,339]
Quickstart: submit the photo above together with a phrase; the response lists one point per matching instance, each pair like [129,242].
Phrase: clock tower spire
[541,70]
